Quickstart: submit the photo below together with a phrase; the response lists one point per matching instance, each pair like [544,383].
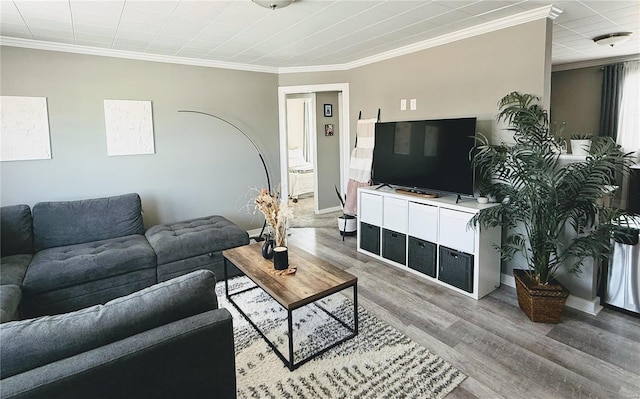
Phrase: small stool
[194,244]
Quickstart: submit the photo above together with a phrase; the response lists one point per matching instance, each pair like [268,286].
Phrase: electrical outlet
[403,104]
[414,104]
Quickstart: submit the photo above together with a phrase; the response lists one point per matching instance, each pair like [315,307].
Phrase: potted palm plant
[580,143]
[540,198]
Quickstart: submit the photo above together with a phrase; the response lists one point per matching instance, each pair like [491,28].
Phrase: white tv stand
[430,237]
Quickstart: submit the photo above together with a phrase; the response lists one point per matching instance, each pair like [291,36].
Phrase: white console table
[431,238]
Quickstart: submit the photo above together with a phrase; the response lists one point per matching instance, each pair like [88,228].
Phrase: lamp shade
[273,4]
[612,39]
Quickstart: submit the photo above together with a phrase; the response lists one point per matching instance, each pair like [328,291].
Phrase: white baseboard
[591,307]
[507,280]
[328,210]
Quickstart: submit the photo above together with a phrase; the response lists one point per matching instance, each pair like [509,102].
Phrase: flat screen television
[426,156]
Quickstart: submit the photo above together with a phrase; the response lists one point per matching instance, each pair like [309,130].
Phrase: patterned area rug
[380,362]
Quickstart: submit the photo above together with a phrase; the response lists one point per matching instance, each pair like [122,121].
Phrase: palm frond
[542,197]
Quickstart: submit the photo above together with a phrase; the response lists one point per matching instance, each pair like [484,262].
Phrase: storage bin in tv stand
[429,237]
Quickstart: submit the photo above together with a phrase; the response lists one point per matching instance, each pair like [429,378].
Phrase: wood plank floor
[503,354]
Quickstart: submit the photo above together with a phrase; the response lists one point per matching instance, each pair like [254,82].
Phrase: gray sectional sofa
[67,255]
[89,300]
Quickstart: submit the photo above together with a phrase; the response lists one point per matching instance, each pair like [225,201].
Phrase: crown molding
[102,52]
[594,63]
[550,12]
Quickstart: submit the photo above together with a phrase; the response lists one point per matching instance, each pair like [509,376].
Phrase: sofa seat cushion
[32,343]
[13,269]
[60,267]
[10,296]
[84,295]
[194,237]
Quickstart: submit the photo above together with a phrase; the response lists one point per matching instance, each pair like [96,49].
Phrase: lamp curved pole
[255,147]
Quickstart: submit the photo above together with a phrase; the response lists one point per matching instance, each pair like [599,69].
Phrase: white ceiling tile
[95,29]
[598,28]
[85,39]
[142,36]
[241,12]
[52,35]
[103,9]
[184,24]
[129,46]
[607,6]
[15,30]
[192,52]
[11,18]
[595,19]
[309,32]
[207,10]
[163,49]
[169,41]
[625,12]
[139,27]
[573,10]
[95,20]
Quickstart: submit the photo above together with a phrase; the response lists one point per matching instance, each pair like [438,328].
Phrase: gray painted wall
[328,151]
[575,99]
[463,78]
[201,166]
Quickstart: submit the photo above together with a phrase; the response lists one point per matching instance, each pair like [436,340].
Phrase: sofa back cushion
[61,223]
[32,343]
[16,230]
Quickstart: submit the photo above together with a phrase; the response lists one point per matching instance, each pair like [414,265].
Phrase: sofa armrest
[189,358]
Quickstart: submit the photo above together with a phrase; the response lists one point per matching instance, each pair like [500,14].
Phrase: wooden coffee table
[314,279]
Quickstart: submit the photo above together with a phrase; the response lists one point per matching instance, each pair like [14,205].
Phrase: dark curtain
[610,100]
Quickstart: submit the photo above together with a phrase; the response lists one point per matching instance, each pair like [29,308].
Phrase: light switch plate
[403,104]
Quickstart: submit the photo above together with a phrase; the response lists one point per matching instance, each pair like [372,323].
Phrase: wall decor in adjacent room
[328,129]
[328,110]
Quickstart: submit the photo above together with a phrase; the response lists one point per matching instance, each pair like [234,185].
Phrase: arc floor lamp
[255,147]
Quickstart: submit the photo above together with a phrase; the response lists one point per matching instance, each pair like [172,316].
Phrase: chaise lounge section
[194,244]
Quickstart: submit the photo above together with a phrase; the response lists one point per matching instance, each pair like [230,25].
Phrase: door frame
[345,135]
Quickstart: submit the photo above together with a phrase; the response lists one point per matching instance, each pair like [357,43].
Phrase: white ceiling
[321,34]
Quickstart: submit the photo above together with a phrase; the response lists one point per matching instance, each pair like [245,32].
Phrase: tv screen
[428,155]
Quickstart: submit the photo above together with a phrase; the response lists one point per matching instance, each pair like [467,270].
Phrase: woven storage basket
[542,304]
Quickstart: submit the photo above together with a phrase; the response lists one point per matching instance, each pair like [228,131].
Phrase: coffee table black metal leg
[355,309]
[226,279]
[290,327]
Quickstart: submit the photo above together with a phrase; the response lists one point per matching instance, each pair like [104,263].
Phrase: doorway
[301,149]
[290,99]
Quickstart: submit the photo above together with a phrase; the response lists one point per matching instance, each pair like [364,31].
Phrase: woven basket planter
[542,304]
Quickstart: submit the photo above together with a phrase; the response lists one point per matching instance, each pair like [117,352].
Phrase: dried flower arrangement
[276,213]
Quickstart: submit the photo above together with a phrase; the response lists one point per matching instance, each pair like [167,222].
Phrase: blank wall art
[129,127]
[25,128]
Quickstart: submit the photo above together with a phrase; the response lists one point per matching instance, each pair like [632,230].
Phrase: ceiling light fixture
[613,39]
[273,4]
